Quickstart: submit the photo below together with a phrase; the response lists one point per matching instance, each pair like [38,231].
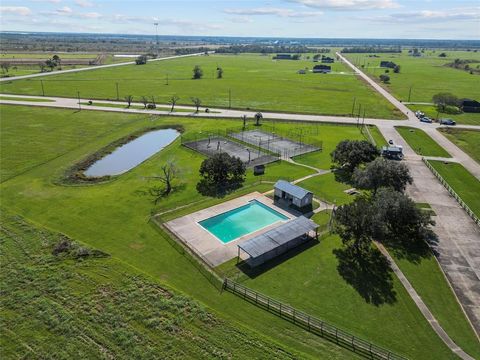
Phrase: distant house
[293,194]
[328,60]
[283,57]
[470,106]
[322,69]
[387,64]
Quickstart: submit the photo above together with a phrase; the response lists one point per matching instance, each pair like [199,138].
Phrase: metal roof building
[293,194]
[277,241]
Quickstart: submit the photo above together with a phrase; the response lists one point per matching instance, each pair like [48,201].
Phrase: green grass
[467,140]
[427,75]
[310,281]
[141,107]
[465,184]
[254,81]
[464,118]
[326,188]
[24,99]
[114,217]
[124,207]
[95,306]
[429,282]
[421,143]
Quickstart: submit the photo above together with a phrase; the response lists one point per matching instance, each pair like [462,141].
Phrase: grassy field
[464,118]
[92,306]
[326,188]
[467,140]
[114,217]
[421,143]
[250,81]
[425,75]
[465,184]
[124,106]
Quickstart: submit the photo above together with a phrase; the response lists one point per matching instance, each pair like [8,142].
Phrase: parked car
[419,114]
[447,122]
[426,119]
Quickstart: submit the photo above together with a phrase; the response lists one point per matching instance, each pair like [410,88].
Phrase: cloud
[349,5]
[64,11]
[241,20]
[180,23]
[15,10]
[429,16]
[83,3]
[90,15]
[281,12]
[49,1]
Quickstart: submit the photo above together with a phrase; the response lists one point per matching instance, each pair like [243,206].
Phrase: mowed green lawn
[251,82]
[426,75]
[465,184]
[467,140]
[114,217]
[421,143]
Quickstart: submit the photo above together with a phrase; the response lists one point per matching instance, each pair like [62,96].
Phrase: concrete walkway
[423,308]
[457,249]
[90,68]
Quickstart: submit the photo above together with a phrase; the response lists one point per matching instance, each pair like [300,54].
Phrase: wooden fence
[311,324]
[452,192]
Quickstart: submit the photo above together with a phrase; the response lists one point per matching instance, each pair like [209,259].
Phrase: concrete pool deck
[201,241]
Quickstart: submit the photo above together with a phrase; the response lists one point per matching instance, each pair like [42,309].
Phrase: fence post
[280,309]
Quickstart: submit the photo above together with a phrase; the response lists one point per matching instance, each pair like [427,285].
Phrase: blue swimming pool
[241,221]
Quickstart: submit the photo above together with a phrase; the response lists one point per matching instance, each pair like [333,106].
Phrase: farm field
[465,184]
[277,86]
[431,112]
[419,72]
[421,143]
[467,140]
[124,206]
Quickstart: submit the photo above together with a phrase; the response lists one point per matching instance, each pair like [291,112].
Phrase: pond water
[132,153]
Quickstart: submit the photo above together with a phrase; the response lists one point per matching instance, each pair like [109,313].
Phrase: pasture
[426,75]
[114,217]
[249,82]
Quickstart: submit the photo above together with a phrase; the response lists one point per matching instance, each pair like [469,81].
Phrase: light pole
[156,35]
[410,92]
[79,104]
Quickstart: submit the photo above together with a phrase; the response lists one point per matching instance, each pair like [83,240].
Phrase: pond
[131,154]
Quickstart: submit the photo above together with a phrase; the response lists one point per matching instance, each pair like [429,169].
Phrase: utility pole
[79,104]
[363,121]
[118,96]
[43,90]
[410,92]
[353,107]
[359,112]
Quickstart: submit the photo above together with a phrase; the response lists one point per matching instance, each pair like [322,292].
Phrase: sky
[402,19]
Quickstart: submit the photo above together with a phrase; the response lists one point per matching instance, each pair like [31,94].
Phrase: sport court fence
[452,192]
[285,143]
[211,143]
[311,323]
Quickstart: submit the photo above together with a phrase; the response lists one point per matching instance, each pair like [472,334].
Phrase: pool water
[241,221]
